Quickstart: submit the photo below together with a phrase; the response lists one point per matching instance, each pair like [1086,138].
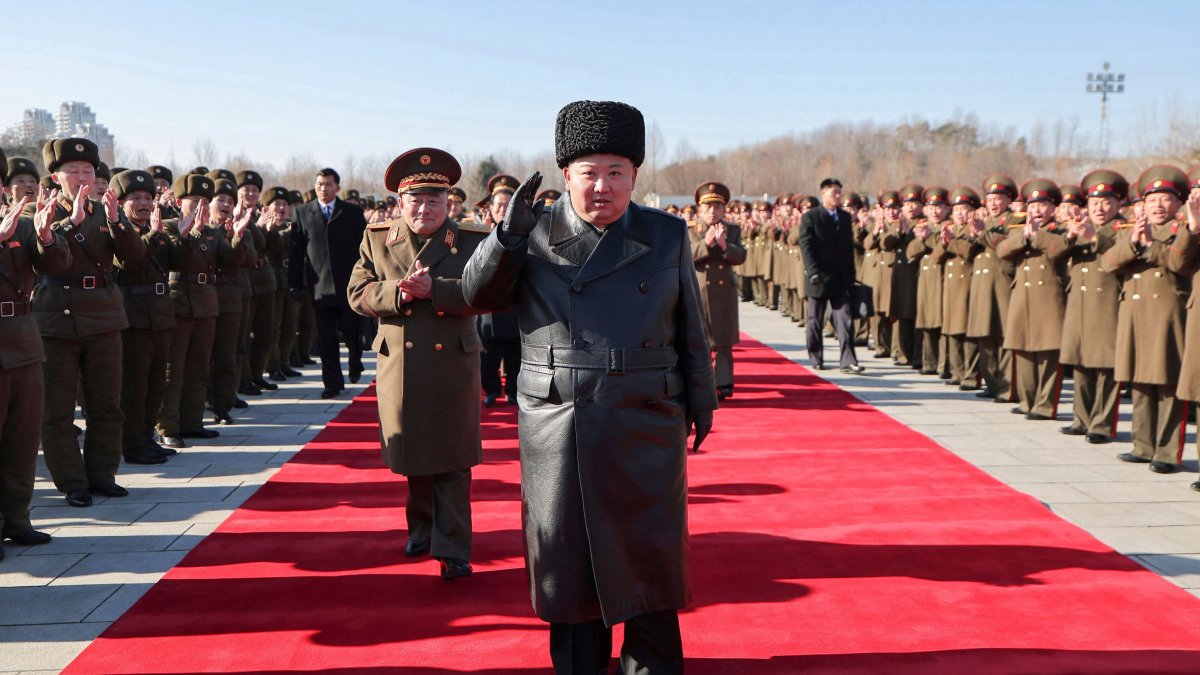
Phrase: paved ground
[54,599]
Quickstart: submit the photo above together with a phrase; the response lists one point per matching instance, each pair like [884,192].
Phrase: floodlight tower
[1105,83]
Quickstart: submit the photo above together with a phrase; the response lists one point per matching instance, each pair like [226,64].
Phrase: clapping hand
[42,217]
[947,234]
[9,217]
[156,221]
[416,286]
[1081,228]
[186,222]
[1141,229]
[79,207]
[1193,211]
[523,213]
[241,223]
[112,209]
[166,198]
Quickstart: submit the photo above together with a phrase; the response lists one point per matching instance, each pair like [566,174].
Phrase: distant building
[36,125]
[75,118]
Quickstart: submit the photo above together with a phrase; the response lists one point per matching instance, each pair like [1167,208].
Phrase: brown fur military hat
[599,127]
[248,177]
[1041,190]
[102,171]
[294,197]
[160,171]
[59,151]
[348,194]
[132,180]
[118,169]
[200,170]
[223,174]
[1105,183]
[20,165]
[271,194]
[193,185]
[48,182]
[711,191]
[224,186]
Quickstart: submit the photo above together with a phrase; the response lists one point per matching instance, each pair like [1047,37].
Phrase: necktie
[328,210]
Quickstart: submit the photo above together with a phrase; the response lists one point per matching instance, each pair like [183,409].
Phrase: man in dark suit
[827,245]
[325,247]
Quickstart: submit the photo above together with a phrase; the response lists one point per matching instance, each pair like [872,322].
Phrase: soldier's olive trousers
[143,381]
[1096,395]
[21,401]
[903,337]
[187,374]
[943,362]
[931,342]
[995,364]
[723,366]
[249,309]
[746,286]
[963,356]
[652,646]
[1157,423]
[1037,381]
[288,311]
[760,291]
[883,334]
[438,511]
[98,361]
[223,382]
[264,332]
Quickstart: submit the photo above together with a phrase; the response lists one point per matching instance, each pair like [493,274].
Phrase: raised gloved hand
[524,211]
[702,422]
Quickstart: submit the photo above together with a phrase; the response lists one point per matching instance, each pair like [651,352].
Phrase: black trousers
[329,321]
[495,351]
[843,327]
[652,646]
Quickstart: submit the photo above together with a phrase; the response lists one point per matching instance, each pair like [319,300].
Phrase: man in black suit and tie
[325,248]
[827,244]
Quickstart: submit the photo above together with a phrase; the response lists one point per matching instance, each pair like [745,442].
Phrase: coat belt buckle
[79,237]
[89,282]
[616,361]
[8,308]
[160,288]
[202,278]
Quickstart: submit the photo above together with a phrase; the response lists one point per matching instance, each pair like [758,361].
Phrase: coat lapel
[439,245]
[567,232]
[622,243]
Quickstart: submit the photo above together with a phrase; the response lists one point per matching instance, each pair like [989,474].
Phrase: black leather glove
[522,212]
[296,294]
[702,421]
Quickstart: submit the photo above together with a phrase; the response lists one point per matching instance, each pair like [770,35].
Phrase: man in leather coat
[615,364]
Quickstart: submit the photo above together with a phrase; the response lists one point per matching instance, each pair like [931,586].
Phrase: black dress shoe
[951,382]
[164,451]
[1195,486]
[30,538]
[1097,439]
[1037,417]
[1132,458]
[986,393]
[1072,430]
[80,498]
[415,548]
[1002,399]
[452,568]
[853,370]
[1163,467]
[291,372]
[249,390]
[110,490]
[264,385]
[199,433]
[277,376]
[926,371]
[330,393]
[171,442]
[945,375]
[969,387]
[489,401]
[295,362]
[222,418]
[143,455]
[355,376]
[819,366]
[307,361]
[1018,411]
[239,403]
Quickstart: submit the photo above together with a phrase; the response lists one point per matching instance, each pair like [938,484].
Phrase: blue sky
[272,79]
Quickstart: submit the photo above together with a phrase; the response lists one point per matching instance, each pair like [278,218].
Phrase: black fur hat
[607,127]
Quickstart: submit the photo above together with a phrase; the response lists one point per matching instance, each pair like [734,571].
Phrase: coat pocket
[471,343]
[533,383]
[674,383]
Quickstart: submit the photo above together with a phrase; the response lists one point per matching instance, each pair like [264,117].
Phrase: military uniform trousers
[97,360]
[438,511]
[882,328]
[223,382]
[963,358]
[494,352]
[652,646]
[288,313]
[188,367]
[1096,395]
[264,332]
[246,372]
[931,340]
[21,401]
[995,364]
[143,382]
[1158,429]
[904,335]
[1037,381]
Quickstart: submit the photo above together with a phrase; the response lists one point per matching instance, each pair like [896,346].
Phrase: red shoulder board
[449,239]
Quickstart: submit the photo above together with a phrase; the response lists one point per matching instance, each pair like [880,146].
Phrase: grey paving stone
[1045,474]
[45,648]
[194,535]
[180,493]
[50,604]
[111,512]
[109,539]
[120,568]
[1141,541]
[1090,515]
[34,570]
[189,512]
[118,603]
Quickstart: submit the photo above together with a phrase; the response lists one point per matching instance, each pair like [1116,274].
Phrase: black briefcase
[862,301]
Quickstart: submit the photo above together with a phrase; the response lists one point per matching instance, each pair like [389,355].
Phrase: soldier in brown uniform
[277,201]
[1150,321]
[761,215]
[260,314]
[927,234]
[902,309]
[409,276]
[1093,298]
[223,383]
[991,286]
[854,204]
[1184,258]
[716,250]
[1033,330]
[22,388]
[81,315]
[163,195]
[194,295]
[146,343]
[22,181]
[887,217]
[956,253]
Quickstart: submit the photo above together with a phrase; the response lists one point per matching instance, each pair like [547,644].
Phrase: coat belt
[87,281]
[614,361]
[11,308]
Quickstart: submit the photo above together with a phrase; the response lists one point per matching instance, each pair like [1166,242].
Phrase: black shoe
[199,433]
[819,366]
[79,498]
[945,375]
[165,452]
[725,392]
[240,404]
[30,538]
[415,548]
[110,490]
[277,376]
[307,361]
[1097,439]
[489,401]
[1017,411]
[969,387]
[951,382]
[222,418]
[1002,399]
[1072,430]
[330,393]
[853,370]
[171,442]
[264,385]
[926,371]
[295,362]
[1195,486]
[143,455]
[1037,417]
[291,372]
[986,394]
[1163,467]
[1132,458]
[249,390]
[355,376]
[452,568]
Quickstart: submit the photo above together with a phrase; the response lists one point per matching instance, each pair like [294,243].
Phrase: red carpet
[826,538]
